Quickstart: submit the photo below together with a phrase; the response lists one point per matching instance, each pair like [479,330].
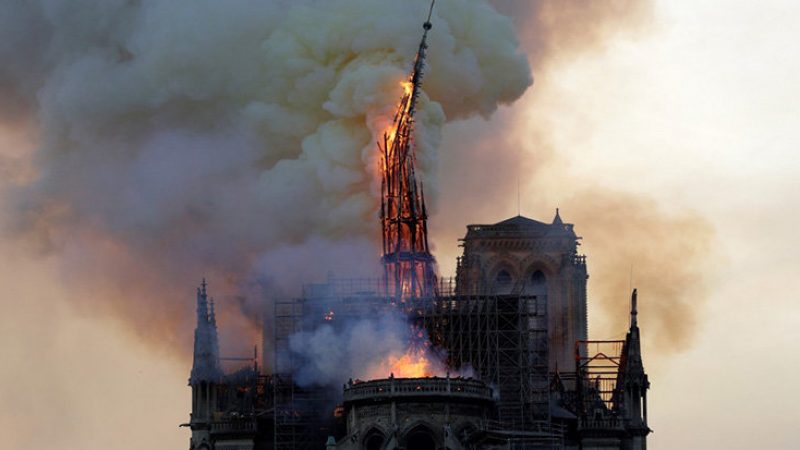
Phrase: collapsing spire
[409,267]
[206,366]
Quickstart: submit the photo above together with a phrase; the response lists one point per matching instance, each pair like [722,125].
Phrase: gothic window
[537,279]
[537,284]
[374,440]
[421,438]
[503,277]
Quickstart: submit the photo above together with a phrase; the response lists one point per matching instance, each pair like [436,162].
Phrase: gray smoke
[367,349]
[188,137]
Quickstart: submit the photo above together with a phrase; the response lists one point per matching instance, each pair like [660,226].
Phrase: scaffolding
[597,369]
[301,420]
[503,338]
[500,339]
[289,401]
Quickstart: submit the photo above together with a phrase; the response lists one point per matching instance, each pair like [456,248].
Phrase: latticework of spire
[409,267]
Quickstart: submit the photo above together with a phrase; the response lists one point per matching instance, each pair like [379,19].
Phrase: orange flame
[408,87]
[414,363]
[391,131]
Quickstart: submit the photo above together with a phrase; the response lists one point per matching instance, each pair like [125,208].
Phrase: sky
[699,112]
[696,110]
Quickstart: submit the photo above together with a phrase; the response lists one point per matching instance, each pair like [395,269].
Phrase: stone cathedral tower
[524,256]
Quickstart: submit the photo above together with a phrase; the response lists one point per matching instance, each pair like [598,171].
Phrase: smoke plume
[156,142]
[182,138]
[553,32]
[524,151]
[364,349]
[633,242]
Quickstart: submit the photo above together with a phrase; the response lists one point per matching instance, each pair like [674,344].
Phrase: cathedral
[516,315]
[516,370]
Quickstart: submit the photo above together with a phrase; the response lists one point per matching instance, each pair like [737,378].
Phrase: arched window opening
[503,277]
[537,284]
[374,440]
[421,439]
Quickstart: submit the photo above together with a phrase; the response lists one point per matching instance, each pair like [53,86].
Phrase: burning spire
[409,267]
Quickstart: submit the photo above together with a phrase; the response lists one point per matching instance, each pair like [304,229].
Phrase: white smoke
[367,349]
[330,355]
[201,136]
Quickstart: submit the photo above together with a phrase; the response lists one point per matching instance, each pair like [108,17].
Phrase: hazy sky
[699,111]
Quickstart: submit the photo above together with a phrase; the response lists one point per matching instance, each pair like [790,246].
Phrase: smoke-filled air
[631,239]
[366,349]
[236,139]
[157,142]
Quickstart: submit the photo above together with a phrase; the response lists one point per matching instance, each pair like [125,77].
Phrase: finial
[557,219]
[203,285]
[634,313]
[427,25]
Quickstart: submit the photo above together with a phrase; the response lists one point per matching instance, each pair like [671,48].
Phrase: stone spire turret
[206,366]
[557,219]
[633,381]
[206,371]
